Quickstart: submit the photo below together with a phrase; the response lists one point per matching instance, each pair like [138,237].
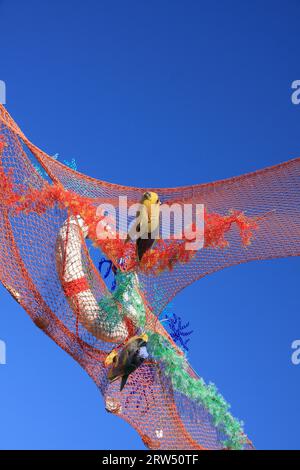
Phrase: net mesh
[46,266]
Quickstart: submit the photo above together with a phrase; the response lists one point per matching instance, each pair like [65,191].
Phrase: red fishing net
[45,219]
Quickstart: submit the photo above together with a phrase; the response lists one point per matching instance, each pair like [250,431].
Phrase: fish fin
[143,245]
[123,382]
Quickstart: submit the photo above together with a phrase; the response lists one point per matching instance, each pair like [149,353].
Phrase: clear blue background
[159,93]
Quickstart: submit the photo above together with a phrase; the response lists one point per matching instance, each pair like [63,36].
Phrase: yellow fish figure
[147,226]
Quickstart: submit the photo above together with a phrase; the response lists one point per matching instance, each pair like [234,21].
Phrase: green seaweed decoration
[175,368]
[125,300]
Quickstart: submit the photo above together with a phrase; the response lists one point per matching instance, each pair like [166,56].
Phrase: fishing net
[50,211]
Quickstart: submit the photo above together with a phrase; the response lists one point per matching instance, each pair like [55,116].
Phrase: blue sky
[160,93]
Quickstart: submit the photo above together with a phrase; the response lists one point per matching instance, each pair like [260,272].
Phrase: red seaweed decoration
[165,254]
